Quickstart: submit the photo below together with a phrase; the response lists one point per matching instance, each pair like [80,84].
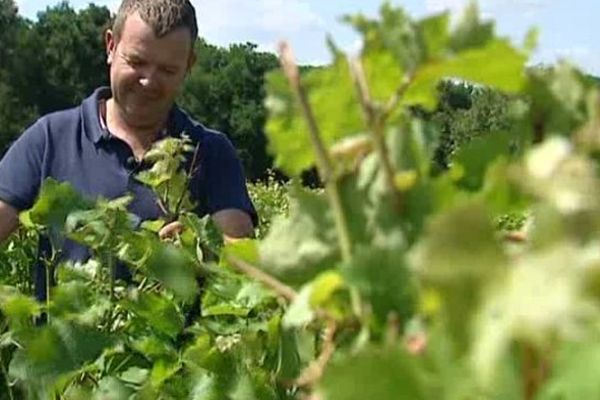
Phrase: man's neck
[139,138]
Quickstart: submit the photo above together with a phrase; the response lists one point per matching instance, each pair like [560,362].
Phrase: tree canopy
[57,60]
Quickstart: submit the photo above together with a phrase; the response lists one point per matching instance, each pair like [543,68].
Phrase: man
[98,147]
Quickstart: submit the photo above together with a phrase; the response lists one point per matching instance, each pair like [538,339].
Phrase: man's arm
[233,224]
[223,186]
[9,220]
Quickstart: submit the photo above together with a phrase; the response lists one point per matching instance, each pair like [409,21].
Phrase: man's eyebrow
[131,55]
[136,56]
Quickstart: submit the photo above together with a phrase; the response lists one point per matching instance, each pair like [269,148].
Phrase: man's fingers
[169,231]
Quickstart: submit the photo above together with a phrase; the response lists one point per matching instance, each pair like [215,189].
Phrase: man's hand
[171,230]
[234,224]
[9,220]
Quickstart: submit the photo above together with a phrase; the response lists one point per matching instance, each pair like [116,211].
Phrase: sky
[565,26]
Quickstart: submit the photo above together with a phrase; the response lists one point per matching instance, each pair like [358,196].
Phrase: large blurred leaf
[203,355]
[157,311]
[173,268]
[334,103]
[205,387]
[458,255]
[76,300]
[556,174]
[101,227]
[111,388]
[300,313]
[502,194]
[575,373]
[245,250]
[373,374]
[471,65]
[154,347]
[394,32]
[301,245]
[539,301]
[475,156]
[383,280]
[459,243]
[471,32]
[55,202]
[289,362]
[560,96]
[18,309]
[54,351]
[435,34]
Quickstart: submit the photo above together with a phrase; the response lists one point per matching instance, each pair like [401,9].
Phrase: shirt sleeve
[223,179]
[21,168]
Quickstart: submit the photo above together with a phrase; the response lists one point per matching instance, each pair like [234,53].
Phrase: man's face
[147,72]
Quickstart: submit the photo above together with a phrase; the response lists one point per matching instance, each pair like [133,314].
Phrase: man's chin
[145,117]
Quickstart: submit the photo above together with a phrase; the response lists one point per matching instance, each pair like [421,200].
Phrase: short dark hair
[163,16]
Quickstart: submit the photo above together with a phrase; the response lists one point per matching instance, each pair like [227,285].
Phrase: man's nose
[149,78]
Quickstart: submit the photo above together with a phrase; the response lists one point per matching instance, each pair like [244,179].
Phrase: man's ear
[110,43]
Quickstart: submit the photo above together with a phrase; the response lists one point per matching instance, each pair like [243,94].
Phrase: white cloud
[441,5]
[489,8]
[582,56]
[269,16]
[263,22]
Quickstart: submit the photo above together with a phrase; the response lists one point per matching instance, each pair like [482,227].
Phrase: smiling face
[147,72]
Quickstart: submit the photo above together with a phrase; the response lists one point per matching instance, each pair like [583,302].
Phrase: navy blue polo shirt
[74,146]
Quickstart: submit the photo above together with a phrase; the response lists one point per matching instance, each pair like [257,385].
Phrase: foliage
[394,281]
[466,112]
[270,198]
[51,64]
[15,112]
[15,260]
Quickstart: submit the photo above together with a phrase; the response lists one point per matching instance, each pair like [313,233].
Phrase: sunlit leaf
[301,245]
[373,374]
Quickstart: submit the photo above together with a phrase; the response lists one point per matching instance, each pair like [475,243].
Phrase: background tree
[466,111]
[70,57]
[226,91]
[14,111]
[49,64]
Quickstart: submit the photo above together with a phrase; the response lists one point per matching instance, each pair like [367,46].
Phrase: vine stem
[391,105]
[535,371]
[313,373]
[6,380]
[324,164]
[122,363]
[279,287]
[189,175]
[49,271]
[376,122]
[112,271]
[273,283]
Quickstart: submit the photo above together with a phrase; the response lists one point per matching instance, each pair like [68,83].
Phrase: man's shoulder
[76,120]
[58,122]
[53,126]
[69,116]
[200,133]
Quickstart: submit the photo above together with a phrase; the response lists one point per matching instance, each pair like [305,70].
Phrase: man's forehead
[136,28]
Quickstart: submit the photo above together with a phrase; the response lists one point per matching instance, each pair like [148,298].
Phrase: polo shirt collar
[93,129]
